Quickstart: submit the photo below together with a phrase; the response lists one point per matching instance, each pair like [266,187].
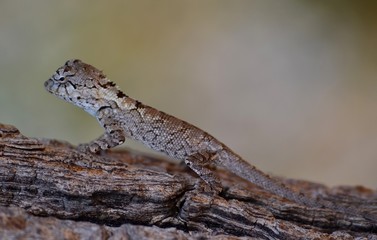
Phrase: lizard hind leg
[199,163]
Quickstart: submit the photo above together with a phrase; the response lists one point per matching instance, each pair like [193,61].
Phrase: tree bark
[49,190]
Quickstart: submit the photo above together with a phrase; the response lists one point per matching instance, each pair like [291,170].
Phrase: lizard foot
[89,147]
[214,188]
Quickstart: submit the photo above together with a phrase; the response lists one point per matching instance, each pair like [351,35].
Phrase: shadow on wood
[49,189]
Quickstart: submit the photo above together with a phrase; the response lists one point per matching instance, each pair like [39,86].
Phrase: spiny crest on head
[73,63]
[96,74]
[79,65]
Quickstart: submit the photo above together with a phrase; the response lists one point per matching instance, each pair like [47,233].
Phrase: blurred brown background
[289,85]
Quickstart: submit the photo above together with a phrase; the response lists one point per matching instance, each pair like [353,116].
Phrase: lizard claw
[92,148]
[215,189]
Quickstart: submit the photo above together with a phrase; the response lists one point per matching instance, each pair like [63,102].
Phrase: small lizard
[123,117]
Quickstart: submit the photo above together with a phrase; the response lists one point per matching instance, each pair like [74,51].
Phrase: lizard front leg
[114,134]
[199,163]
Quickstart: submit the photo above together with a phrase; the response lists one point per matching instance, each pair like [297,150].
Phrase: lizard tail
[240,167]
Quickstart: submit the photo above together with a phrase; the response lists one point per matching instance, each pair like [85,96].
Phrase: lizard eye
[59,78]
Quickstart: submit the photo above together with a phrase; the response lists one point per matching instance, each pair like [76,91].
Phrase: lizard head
[83,85]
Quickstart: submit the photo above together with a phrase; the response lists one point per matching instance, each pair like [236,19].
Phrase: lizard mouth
[48,84]
[51,86]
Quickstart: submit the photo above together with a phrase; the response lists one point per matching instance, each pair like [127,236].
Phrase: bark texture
[49,190]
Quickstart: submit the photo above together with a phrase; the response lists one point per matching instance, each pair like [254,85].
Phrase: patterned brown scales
[123,117]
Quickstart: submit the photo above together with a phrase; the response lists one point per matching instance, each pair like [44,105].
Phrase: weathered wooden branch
[48,188]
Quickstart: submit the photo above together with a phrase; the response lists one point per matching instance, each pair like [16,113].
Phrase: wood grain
[50,186]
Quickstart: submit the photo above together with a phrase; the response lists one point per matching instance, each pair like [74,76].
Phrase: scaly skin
[123,117]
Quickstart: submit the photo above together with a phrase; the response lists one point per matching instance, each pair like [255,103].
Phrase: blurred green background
[289,85]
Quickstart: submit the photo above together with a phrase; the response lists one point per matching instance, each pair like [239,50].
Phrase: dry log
[49,189]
